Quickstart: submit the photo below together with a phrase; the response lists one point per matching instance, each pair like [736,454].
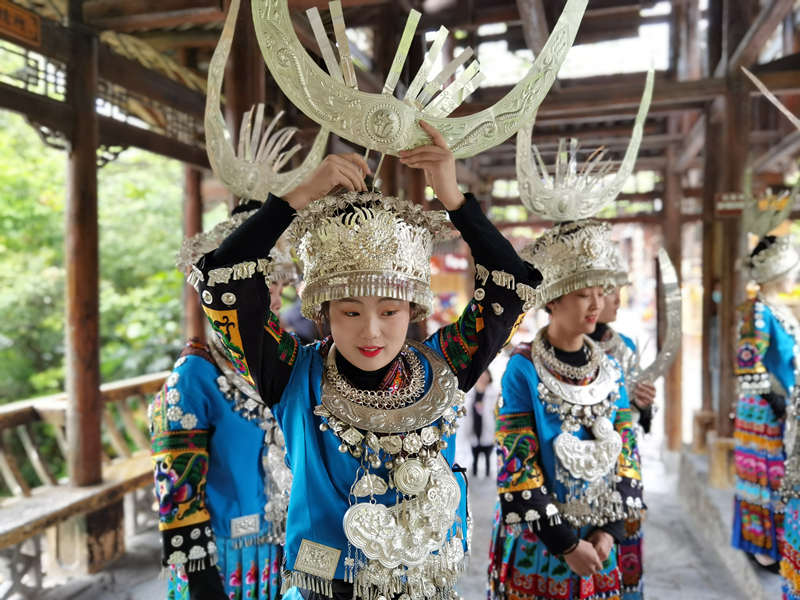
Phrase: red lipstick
[370,351]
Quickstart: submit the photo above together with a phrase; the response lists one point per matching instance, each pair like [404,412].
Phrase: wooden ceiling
[598,110]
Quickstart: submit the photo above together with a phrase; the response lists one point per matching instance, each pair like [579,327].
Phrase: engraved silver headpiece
[578,252]
[282,267]
[572,256]
[570,193]
[383,122]
[253,170]
[365,244]
[760,215]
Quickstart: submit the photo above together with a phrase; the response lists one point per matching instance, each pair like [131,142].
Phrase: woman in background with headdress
[218,456]
[642,394]
[766,372]
[368,417]
[567,478]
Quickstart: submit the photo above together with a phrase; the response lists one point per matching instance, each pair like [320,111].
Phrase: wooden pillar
[194,319]
[82,263]
[736,142]
[672,235]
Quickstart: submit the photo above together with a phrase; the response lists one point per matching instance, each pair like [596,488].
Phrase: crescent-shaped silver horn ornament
[671,303]
[384,123]
[772,98]
[571,194]
[254,172]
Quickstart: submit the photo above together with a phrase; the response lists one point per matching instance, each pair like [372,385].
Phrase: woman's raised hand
[440,167]
[345,170]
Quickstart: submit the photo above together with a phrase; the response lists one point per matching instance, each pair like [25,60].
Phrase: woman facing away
[567,478]
[220,478]
[368,417]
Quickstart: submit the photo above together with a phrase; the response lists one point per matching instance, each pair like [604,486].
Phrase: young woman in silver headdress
[368,417]
[567,478]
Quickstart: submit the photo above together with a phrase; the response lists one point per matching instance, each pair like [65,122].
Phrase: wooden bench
[47,504]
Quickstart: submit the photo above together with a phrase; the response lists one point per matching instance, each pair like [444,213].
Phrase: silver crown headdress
[366,244]
[382,122]
[579,252]
[760,216]
[254,171]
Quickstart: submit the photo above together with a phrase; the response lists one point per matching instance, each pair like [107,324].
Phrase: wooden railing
[33,452]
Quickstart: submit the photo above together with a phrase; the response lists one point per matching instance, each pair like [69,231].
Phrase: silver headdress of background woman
[762,215]
[255,170]
[382,122]
[578,252]
[570,193]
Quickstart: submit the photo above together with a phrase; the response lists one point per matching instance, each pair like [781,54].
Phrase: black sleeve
[777,403]
[206,585]
[254,238]
[646,418]
[504,290]
[616,529]
[235,297]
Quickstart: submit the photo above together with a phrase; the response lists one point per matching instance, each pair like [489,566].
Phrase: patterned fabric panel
[287,343]
[753,339]
[757,529]
[181,465]
[225,324]
[459,340]
[517,451]
[629,464]
[790,552]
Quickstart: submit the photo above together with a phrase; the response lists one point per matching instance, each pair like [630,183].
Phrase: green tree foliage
[140,232]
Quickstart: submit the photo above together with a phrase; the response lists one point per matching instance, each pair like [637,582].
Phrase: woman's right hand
[346,170]
[583,560]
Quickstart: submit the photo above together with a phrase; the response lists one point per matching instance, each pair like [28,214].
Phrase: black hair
[763,244]
[246,207]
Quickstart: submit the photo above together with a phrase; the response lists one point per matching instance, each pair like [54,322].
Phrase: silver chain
[381,399]
[545,352]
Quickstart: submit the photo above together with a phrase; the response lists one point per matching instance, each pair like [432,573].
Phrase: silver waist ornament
[586,468]
[413,547]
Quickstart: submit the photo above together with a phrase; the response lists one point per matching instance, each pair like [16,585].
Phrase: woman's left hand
[603,543]
[644,395]
[440,167]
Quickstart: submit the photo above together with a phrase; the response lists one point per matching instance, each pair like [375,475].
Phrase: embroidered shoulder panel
[753,339]
[459,340]
[180,465]
[518,449]
[287,343]
[225,324]
[629,464]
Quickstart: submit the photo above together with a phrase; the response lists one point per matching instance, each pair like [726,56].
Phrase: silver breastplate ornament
[586,468]
[413,546]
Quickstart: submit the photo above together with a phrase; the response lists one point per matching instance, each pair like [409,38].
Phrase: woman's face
[577,312]
[369,331]
[610,307]
[275,291]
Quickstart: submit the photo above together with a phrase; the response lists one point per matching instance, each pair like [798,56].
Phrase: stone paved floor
[676,567]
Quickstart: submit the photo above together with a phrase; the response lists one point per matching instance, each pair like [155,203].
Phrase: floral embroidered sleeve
[235,299]
[524,498]
[504,286]
[179,444]
[752,344]
[629,463]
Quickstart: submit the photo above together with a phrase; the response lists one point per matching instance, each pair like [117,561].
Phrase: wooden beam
[142,15]
[534,24]
[788,147]
[766,22]
[81,259]
[303,5]
[693,143]
[119,133]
